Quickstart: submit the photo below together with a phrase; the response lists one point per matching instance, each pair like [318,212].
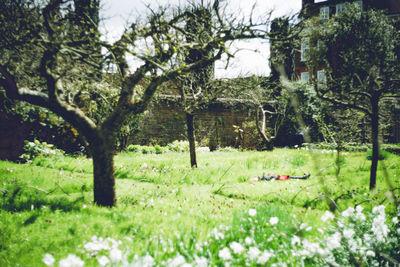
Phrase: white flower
[395,220]
[253,253]
[370,253]
[295,240]
[379,210]
[71,261]
[217,235]
[333,241]
[349,212]
[179,260]
[327,216]
[264,257]
[252,212]
[200,262]
[225,254]
[379,228]
[115,255]
[48,259]
[148,260]
[273,220]
[103,261]
[348,233]
[236,247]
[359,209]
[249,241]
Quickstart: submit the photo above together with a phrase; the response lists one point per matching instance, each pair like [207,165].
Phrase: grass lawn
[46,206]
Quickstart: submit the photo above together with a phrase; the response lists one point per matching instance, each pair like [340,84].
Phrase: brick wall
[165,122]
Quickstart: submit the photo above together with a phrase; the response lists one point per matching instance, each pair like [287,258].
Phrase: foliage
[39,149]
[358,51]
[179,146]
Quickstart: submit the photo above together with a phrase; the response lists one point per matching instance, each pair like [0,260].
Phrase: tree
[358,53]
[196,84]
[39,63]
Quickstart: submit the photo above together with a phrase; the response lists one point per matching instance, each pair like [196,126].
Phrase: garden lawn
[46,205]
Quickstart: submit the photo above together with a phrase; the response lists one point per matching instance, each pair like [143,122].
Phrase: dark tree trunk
[375,143]
[192,144]
[103,172]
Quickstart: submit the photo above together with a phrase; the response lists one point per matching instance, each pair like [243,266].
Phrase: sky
[253,55]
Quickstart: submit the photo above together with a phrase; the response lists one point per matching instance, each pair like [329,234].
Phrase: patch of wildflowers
[225,254]
[236,247]
[48,259]
[71,261]
[327,216]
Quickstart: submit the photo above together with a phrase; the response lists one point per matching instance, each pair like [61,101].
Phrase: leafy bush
[178,146]
[148,150]
[158,149]
[133,148]
[39,149]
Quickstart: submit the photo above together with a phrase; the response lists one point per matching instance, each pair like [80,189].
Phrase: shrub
[39,149]
[133,148]
[179,146]
[158,149]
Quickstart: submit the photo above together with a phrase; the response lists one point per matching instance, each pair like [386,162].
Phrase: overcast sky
[117,12]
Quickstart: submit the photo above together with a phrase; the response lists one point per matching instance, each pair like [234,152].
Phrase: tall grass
[46,206]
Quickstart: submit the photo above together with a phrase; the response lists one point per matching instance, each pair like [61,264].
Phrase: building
[325,9]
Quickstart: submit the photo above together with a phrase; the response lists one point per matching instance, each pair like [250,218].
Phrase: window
[305,48]
[305,77]
[340,8]
[324,12]
[321,77]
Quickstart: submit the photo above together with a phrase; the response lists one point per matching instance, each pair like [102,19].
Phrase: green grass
[46,206]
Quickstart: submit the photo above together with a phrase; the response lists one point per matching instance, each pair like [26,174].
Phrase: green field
[165,208]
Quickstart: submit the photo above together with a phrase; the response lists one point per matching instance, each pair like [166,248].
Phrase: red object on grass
[283,177]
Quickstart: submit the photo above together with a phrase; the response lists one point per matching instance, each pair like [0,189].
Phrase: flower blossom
[295,240]
[264,257]
[253,253]
[236,247]
[327,216]
[333,241]
[225,254]
[349,212]
[48,259]
[252,212]
[71,261]
[103,261]
[249,241]
[179,260]
[273,220]
[115,255]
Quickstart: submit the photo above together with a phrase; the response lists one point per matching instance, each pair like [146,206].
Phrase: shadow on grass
[23,198]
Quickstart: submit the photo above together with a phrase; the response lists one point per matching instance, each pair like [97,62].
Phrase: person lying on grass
[279,177]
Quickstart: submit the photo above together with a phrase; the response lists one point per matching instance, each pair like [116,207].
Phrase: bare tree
[51,78]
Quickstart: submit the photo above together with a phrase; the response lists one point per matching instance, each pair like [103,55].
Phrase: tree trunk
[103,172]
[192,144]
[375,143]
